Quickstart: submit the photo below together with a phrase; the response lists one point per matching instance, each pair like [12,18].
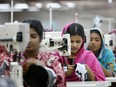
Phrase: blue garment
[107,59]
[106,56]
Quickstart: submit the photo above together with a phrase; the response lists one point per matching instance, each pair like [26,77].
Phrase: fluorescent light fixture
[53,5]
[21,6]
[4,6]
[33,8]
[17,10]
[4,10]
[70,4]
[38,5]
[109,1]
[9,10]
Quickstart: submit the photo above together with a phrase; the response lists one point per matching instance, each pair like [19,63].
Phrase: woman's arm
[91,75]
[110,68]
[95,67]
[107,72]
[56,66]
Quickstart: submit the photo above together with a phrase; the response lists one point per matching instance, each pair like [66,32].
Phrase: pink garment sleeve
[94,64]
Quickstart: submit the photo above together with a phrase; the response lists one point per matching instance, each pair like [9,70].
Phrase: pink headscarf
[65,28]
[81,48]
[86,57]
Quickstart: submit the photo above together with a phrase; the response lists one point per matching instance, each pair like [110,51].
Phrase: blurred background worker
[104,55]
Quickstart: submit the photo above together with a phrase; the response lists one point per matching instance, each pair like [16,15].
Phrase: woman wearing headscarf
[104,55]
[80,59]
[32,58]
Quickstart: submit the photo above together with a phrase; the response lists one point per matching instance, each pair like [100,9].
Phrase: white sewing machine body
[110,40]
[53,41]
[87,38]
[14,36]
[16,73]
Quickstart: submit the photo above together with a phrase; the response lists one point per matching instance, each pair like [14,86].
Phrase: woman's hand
[88,68]
[31,61]
[90,73]
[70,70]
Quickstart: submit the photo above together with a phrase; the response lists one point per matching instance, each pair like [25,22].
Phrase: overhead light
[4,10]
[53,5]
[33,8]
[109,1]
[4,6]
[70,4]
[9,10]
[38,5]
[21,6]
[17,10]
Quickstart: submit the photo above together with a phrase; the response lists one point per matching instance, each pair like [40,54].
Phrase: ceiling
[86,7]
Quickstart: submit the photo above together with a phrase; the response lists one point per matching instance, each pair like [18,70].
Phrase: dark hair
[76,29]
[97,32]
[37,76]
[36,24]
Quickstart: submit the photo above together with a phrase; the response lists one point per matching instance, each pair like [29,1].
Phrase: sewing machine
[87,38]
[97,21]
[53,41]
[15,36]
[110,41]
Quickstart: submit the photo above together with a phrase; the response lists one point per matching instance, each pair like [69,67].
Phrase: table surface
[89,84]
[112,79]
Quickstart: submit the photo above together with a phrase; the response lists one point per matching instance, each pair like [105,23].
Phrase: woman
[79,56]
[32,55]
[104,55]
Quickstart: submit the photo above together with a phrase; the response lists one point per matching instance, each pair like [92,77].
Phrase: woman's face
[34,41]
[95,42]
[76,42]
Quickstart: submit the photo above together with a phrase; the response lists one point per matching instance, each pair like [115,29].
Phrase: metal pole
[76,17]
[11,11]
[51,26]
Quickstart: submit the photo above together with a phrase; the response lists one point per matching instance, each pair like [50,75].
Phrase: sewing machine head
[53,41]
[14,36]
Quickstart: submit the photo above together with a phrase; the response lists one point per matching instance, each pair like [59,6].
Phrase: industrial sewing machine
[110,40]
[52,41]
[97,21]
[15,36]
